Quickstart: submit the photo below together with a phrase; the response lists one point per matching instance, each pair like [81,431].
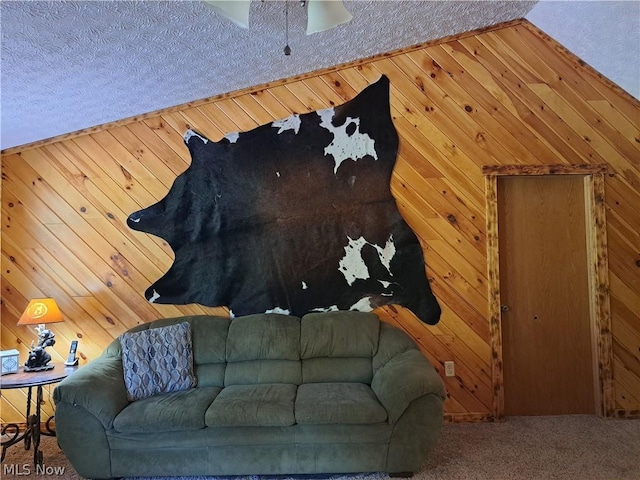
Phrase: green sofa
[332,392]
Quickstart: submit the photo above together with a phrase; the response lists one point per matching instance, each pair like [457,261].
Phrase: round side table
[29,380]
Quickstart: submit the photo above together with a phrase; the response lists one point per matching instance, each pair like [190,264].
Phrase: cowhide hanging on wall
[294,216]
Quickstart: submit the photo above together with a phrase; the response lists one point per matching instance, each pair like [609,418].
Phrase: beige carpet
[576,447]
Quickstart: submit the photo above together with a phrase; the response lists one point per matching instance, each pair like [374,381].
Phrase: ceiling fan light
[235,10]
[325,14]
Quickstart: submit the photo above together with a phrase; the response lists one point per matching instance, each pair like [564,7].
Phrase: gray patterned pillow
[157,360]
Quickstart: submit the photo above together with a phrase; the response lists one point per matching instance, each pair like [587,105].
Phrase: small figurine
[38,357]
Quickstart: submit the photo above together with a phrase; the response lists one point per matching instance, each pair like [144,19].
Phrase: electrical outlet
[449,369]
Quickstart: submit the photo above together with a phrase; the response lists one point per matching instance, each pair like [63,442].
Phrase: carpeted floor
[578,447]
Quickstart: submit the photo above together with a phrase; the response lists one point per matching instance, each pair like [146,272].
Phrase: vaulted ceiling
[69,65]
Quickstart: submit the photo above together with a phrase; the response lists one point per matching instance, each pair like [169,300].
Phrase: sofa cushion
[167,412]
[263,371]
[263,337]
[337,403]
[338,346]
[339,334]
[157,360]
[265,405]
[209,338]
[350,370]
[263,348]
[393,341]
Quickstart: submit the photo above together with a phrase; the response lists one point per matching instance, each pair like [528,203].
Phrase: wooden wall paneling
[409,155]
[336,83]
[622,199]
[438,129]
[95,210]
[9,410]
[625,327]
[251,105]
[616,119]
[221,123]
[480,64]
[624,292]
[623,267]
[472,274]
[285,97]
[112,170]
[199,122]
[305,95]
[131,167]
[175,124]
[168,135]
[615,222]
[135,152]
[404,175]
[627,394]
[449,160]
[461,214]
[432,196]
[580,128]
[478,100]
[457,300]
[627,371]
[584,80]
[150,141]
[81,223]
[533,112]
[505,96]
[271,104]
[561,98]
[475,139]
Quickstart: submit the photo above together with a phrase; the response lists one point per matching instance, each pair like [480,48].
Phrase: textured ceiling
[72,65]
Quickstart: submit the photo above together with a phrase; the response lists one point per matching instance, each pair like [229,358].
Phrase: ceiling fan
[321,14]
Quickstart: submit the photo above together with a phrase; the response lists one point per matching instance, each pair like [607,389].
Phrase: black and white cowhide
[293,217]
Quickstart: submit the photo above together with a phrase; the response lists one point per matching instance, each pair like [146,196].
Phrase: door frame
[598,267]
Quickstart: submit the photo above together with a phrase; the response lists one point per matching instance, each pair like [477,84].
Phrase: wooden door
[544,290]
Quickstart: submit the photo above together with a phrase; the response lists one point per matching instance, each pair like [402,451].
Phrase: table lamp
[39,312]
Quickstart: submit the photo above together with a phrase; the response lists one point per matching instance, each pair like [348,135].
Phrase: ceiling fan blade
[235,10]
[325,14]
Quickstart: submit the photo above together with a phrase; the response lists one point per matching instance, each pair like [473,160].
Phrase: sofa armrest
[98,387]
[403,379]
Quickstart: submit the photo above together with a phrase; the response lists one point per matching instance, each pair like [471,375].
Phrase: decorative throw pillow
[158,360]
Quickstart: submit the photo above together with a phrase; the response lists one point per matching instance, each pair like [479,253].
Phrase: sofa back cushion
[263,348]
[338,346]
[209,345]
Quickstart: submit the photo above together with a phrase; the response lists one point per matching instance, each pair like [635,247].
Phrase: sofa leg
[401,474]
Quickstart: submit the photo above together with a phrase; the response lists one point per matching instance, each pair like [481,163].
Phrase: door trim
[597,258]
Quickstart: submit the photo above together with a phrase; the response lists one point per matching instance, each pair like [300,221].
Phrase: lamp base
[38,369]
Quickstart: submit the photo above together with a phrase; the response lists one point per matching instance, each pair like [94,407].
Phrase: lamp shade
[235,10]
[41,310]
[325,14]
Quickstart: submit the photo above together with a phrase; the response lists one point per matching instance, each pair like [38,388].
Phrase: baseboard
[487,417]
[468,417]
[626,414]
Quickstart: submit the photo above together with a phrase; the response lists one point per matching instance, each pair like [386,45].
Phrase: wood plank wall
[502,96]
